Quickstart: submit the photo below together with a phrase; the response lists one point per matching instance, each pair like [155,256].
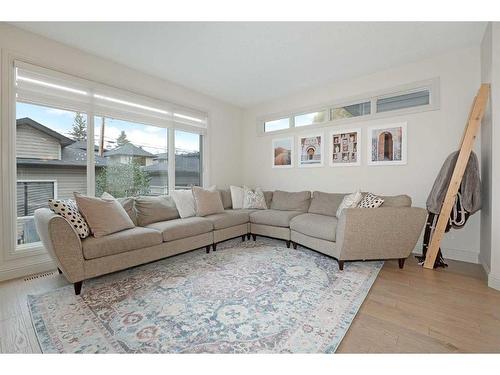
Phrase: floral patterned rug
[250,297]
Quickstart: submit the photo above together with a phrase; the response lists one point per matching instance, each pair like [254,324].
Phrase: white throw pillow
[371,201]
[254,199]
[350,201]
[237,197]
[68,209]
[184,201]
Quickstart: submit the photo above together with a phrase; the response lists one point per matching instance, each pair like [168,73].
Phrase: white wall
[431,137]
[225,136]
[490,156]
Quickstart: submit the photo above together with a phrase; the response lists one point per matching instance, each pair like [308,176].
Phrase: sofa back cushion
[396,201]
[268,195]
[286,201]
[104,216]
[153,209]
[225,195]
[207,202]
[325,203]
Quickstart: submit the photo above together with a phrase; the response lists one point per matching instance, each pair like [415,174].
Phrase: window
[131,158]
[408,100]
[272,126]
[51,160]
[310,118]
[348,111]
[75,135]
[188,163]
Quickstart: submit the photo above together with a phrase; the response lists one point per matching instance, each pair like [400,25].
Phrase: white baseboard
[10,271]
[455,254]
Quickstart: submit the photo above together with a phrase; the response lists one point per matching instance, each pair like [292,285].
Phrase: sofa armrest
[62,242]
[379,233]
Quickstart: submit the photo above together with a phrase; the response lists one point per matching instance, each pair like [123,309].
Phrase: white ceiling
[250,62]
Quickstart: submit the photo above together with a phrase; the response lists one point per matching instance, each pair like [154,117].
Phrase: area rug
[250,297]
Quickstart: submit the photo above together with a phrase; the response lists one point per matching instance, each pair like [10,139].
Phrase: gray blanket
[470,188]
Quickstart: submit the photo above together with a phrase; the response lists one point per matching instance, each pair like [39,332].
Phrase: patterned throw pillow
[370,201]
[254,199]
[349,201]
[69,210]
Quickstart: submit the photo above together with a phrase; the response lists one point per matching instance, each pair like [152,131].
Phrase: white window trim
[10,252]
[433,85]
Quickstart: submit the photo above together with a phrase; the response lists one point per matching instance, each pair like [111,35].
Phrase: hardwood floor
[413,310]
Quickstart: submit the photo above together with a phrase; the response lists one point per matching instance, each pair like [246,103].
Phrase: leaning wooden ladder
[470,133]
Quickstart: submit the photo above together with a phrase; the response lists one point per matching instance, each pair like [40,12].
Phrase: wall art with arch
[387,144]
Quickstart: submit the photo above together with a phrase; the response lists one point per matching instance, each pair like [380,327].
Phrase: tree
[123,180]
[122,139]
[79,129]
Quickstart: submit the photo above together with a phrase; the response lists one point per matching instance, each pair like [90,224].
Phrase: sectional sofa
[388,232]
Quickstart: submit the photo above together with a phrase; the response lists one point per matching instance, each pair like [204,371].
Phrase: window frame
[8,170]
[432,85]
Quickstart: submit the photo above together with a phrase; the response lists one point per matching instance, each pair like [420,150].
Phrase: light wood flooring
[413,310]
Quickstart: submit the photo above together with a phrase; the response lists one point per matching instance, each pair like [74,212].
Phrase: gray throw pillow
[207,202]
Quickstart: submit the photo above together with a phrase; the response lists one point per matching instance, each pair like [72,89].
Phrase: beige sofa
[388,232]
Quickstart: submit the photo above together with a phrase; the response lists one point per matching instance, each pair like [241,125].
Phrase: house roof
[128,149]
[63,140]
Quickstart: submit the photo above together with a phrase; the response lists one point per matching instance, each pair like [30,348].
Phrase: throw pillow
[237,196]
[207,202]
[254,199]
[68,210]
[104,216]
[184,201]
[154,209]
[127,203]
[370,201]
[349,201]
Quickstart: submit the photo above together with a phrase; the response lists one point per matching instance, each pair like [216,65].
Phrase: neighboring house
[127,153]
[187,171]
[49,165]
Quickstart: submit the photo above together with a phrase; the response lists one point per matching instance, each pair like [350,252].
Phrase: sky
[152,138]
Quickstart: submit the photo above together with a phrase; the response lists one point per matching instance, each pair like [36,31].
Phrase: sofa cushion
[228,218]
[318,226]
[286,201]
[104,216]
[154,209]
[120,242]
[275,218]
[325,203]
[225,196]
[177,229]
[396,201]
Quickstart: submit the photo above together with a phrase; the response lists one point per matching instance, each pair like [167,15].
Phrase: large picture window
[74,135]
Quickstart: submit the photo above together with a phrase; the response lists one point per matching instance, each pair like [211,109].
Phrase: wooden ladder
[468,138]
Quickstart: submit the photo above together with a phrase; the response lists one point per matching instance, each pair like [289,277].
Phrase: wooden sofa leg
[294,244]
[254,237]
[214,247]
[288,244]
[78,287]
[243,238]
[401,262]
[341,264]
[59,270]
[207,248]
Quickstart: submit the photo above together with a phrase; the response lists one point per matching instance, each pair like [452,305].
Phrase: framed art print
[283,152]
[387,144]
[311,150]
[345,148]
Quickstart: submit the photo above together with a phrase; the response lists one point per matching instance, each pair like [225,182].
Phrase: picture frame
[387,144]
[310,149]
[345,147]
[283,152]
